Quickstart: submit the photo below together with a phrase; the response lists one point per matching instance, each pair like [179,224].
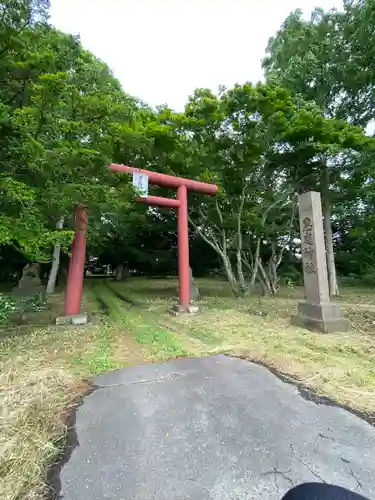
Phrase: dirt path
[137,335]
[127,350]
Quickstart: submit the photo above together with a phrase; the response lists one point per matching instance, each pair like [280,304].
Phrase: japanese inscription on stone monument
[308,245]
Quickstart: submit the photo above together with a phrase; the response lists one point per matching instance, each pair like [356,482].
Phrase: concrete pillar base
[191,309]
[76,319]
[324,318]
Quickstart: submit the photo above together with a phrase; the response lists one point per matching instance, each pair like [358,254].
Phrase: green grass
[162,343]
[98,359]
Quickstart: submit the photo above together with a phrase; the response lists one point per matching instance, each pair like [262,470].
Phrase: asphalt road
[211,429]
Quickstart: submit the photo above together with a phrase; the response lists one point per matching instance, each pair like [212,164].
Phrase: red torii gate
[74,287]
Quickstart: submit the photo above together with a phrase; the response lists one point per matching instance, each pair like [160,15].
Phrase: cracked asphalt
[210,428]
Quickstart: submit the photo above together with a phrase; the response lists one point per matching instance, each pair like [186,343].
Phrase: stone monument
[29,285]
[318,312]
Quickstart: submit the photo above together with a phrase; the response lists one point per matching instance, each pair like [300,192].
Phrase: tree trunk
[194,292]
[55,262]
[263,286]
[331,268]
[231,277]
[240,275]
[265,282]
[241,278]
[333,286]
[119,272]
[291,249]
[273,278]
[222,252]
[255,265]
[269,281]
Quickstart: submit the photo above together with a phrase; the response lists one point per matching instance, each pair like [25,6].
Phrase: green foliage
[64,118]
[37,303]
[7,307]
[328,59]
[261,145]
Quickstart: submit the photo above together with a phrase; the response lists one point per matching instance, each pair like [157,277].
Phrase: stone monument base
[191,309]
[324,318]
[77,319]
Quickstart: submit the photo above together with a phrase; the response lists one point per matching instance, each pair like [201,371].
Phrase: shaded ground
[211,428]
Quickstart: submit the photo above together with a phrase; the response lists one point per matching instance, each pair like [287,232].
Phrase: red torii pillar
[183,186]
[74,286]
[74,289]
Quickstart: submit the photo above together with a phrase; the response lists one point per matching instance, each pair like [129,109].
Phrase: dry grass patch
[32,400]
[38,385]
[40,380]
[340,366]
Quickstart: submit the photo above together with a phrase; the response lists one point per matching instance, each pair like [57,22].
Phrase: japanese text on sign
[140,183]
[308,250]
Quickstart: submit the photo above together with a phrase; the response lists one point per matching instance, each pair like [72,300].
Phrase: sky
[161,50]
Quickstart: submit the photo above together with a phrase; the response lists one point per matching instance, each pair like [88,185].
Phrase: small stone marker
[29,285]
[318,312]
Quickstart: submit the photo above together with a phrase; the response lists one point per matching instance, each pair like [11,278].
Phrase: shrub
[7,307]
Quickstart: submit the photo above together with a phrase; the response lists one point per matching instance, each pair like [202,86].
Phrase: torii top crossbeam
[168,180]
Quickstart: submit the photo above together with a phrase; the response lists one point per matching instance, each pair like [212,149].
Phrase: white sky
[161,50]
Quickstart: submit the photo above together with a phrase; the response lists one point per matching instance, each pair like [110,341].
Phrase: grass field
[45,369]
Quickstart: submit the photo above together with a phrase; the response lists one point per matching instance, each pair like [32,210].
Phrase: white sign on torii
[140,183]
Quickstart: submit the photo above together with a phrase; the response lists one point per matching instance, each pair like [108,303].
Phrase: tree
[325,60]
[62,119]
[261,146]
